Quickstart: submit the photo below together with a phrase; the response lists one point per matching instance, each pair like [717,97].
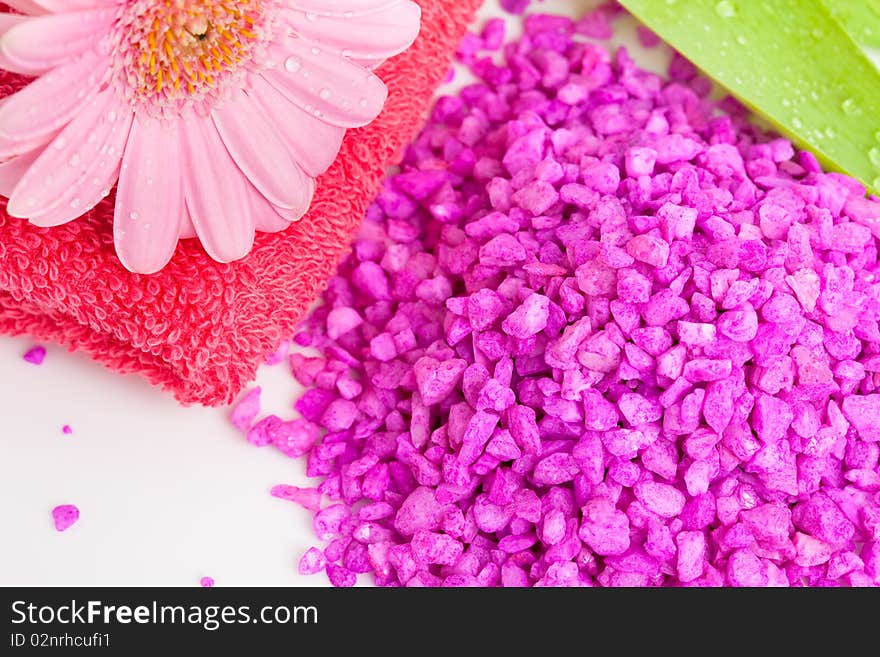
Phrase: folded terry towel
[199,328]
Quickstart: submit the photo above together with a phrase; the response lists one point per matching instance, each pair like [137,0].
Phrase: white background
[167,494]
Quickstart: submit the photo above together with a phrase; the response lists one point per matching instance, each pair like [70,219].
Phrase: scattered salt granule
[66,430]
[246,409]
[597,332]
[35,355]
[206,582]
[65,516]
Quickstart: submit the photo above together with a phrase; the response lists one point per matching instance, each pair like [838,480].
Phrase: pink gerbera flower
[215,116]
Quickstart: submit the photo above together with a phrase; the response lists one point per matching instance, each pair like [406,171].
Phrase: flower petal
[58,6]
[7,22]
[313,144]
[215,192]
[75,171]
[374,36]
[266,219]
[50,102]
[12,170]
[254,145]
[341,7]
[348,95]
[29,7]
[187,230]
[14,148]
[149,198]
[48,41]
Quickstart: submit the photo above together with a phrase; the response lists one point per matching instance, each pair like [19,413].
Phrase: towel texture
[198,328]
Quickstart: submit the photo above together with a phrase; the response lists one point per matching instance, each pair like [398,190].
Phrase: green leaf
[860,18]
[792,63]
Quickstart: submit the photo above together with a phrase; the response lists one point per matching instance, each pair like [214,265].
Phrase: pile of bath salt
[596,332]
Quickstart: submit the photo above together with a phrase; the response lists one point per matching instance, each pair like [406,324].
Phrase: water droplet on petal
[324,94]
[292,64]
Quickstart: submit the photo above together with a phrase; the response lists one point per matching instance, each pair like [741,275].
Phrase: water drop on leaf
[725,9]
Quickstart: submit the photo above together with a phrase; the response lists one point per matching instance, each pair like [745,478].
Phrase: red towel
[199,328]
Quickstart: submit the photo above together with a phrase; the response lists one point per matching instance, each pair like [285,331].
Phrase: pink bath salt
[849,237]
[595,279]
[537,197]
[313,561]
[739,325]
[670,363]
[483,308]
[677,221]
[555,469]
[600,330]
[820,517]
[308,498]
[639,410]
[707,369]
[863,411]
[206,582]
[646,37]
[502,251]
[35,355]
[600,414]
[437,379]
[66,430]
[663,499]
[490,517]
[772,417]
[342,320]
[605,529]
[328,522]
[65,516]
[435,548]
[420,510]
[523,428]
[247,409]
[696,334]
[691,559]
[626,442]
[553,527]
[663,307]
[640,161]
[697,477]
[746,569]
[810,551]
[340,576]
[595,24]
[529,318]
[650,250]
[774,221]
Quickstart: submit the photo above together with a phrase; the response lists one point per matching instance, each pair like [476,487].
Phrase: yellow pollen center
[180,49]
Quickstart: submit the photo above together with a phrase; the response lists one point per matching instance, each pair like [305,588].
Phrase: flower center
[171,53]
